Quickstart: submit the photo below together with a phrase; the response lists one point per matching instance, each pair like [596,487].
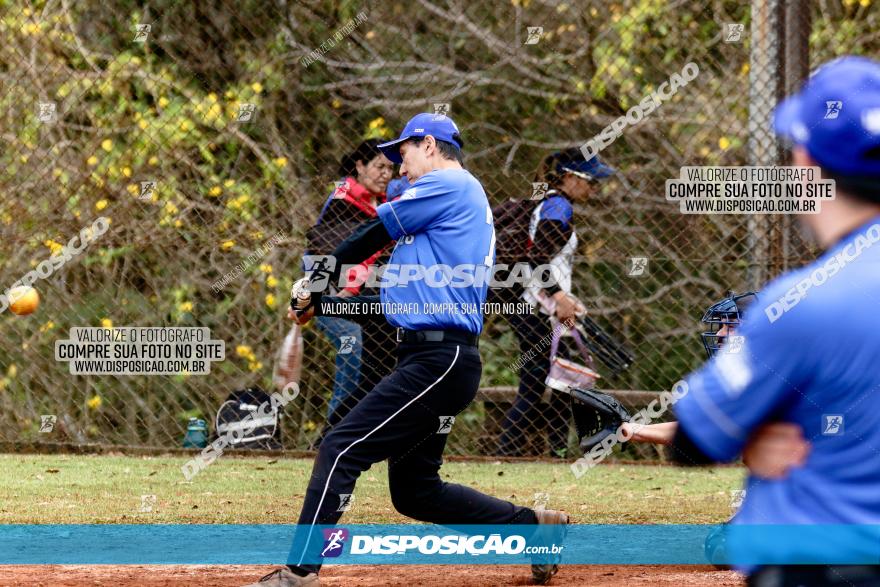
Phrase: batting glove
[301,299]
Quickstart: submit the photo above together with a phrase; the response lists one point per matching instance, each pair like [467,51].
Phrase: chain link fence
[210,136]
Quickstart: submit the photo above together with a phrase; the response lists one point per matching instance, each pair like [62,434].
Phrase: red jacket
[349,205]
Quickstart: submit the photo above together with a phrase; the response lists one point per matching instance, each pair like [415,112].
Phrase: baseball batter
[444,218]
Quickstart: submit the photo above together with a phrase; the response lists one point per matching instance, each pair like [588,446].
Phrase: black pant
[378,357]
[527,412]
[399,421]
[816,576]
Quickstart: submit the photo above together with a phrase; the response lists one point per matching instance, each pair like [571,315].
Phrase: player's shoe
[284,577]
[543,572]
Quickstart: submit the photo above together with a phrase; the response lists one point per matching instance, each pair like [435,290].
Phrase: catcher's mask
[728,313]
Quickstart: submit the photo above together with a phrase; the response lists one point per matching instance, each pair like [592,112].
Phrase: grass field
[48,489]
[107,489]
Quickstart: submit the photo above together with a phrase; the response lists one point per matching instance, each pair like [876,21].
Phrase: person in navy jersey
[809,351]
[442,220]
[552,241]
[365,173]
[379,344]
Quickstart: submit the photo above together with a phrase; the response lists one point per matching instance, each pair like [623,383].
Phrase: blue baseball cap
[572,161]
[836,117]
[439,126]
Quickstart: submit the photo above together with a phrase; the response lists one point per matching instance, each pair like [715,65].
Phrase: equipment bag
[243,421]
[564,374]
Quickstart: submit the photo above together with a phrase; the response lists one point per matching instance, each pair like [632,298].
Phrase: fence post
[766,67]
[798,23]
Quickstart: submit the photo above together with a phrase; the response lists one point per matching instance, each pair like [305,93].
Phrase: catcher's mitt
[596,416]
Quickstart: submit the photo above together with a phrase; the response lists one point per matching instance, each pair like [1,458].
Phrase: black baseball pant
[399,421]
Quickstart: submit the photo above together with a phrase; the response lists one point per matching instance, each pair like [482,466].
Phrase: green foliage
[167,110]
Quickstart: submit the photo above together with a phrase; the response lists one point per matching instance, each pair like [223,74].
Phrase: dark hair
[548,170]
[365,152]
[447,149]
[865,188]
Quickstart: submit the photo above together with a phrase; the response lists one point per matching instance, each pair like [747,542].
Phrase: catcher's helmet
[728,312]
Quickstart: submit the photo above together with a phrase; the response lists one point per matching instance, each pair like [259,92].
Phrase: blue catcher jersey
[445,247]
[809,354]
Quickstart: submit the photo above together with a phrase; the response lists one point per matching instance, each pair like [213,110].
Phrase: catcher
[771,450]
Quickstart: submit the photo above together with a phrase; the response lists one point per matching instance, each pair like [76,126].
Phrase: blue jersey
[809,355]
[444,229]
[396,187]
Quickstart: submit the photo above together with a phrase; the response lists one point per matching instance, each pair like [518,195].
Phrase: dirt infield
[363,576]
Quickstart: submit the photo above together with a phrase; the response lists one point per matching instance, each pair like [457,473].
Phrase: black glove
[596,416]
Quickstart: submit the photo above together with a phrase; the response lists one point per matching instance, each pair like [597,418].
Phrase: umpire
[810,357]
[443,219]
